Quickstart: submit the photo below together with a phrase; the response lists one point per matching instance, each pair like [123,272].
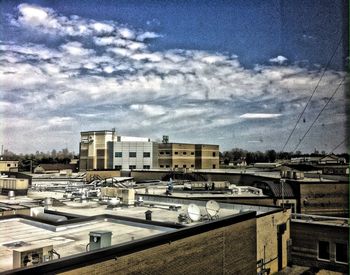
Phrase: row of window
[183,166]
[119,167]
[341,251]
[183,153]
[132,154]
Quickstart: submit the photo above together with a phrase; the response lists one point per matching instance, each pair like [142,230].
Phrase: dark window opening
[118,167]
[185,153]
[184,166]
[146,154]
[132,154]
[323,250]
[176,153]
[146,167]
[214,154]
[118,154]
[214,166]
[341,252]
[132,166]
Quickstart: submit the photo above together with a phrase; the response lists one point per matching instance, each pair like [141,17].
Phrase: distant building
[9,165]
[104,150]
[55,168]
[184,155]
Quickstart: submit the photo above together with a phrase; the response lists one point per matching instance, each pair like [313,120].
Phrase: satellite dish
[194,212]
[212,208]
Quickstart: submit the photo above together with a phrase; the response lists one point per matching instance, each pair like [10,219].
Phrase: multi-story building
[183,155]
[94,149]
[101,150]
[134,153]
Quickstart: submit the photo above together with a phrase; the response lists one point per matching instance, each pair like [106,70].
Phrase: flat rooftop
[67,239]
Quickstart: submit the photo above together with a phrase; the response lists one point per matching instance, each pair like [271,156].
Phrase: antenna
[213,209]
[194,212]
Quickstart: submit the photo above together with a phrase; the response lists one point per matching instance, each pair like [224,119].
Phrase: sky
[233,73]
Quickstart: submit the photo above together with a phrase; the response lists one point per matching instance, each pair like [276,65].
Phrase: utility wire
[324,107]
[313,92]
[336,147]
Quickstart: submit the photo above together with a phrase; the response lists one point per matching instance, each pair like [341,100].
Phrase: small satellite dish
[212,208]
[194,212]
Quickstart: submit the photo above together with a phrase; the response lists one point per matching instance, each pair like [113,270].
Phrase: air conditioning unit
[27,256]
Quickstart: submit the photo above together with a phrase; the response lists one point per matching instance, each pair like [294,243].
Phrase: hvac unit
[27,256]
[99,239]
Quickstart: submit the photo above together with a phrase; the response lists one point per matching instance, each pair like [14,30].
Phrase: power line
[313,92]
[319,114]
[336,147]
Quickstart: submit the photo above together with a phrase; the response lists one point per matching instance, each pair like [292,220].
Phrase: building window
[132,166]
[184,166]
[167,153]
[118,154]
[176,153]
[8,165]
[118,167]
[323,250]
[162,153]
[214,166]
[146,167]
[214,154]
[168,166]
[192,165]
[176,166]
[146,154]
[132,154]
[192,153]
[184,153]
[341,252]
[162,166]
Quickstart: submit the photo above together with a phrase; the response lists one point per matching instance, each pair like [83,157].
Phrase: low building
[55,168]
[321,242]
[18,185]
[9,165]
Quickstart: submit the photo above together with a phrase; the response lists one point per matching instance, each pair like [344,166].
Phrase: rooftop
[67,239]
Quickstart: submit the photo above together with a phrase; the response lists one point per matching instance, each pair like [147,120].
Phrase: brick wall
[305,238]
[227,250]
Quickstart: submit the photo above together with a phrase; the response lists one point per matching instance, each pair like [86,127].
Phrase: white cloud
[259,115]
[279,59]
[76,48]
[147,35]
[177,91]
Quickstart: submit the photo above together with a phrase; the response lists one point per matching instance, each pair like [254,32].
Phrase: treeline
[26,160]
[237,155]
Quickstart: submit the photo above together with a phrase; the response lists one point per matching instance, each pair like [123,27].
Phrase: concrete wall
[324,199]
[267,237]
[226,250]
[305,237]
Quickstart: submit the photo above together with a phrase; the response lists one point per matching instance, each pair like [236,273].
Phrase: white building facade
[134,153]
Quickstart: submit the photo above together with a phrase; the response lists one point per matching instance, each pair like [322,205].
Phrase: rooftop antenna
[194,212]
[165,139]
[213,209]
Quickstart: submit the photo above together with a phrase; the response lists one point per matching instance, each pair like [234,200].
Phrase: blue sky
[236,73]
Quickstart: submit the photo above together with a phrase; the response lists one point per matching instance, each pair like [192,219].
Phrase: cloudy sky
[234,73]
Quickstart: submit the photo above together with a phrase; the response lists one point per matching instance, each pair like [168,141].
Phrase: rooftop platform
[70,238]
